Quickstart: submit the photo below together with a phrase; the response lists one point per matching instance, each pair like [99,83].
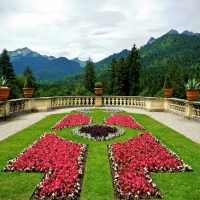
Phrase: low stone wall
[16,107]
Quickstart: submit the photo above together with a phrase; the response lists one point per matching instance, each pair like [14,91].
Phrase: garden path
[189,128]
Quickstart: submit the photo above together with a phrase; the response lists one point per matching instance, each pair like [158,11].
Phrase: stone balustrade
[15,107]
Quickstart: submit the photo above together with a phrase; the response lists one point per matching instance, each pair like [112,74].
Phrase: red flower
[123,120]
[132,160]
[72,120]
[61,161]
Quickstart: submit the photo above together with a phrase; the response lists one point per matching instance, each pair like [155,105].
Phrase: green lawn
[97,182]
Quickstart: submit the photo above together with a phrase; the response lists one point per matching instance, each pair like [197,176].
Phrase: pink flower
[72,120]
[61,161]
[134,159]
[123,120]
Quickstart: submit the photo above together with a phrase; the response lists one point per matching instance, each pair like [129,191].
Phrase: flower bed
[61,160]
[111,110]
[123,120]
[98,132]
[131,162]
[72,120]
[85,110]
[106,110]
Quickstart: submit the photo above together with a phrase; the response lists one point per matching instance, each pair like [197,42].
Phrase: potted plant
[4,89]
[98,89]
[192,89]
[28,87]
[167,87]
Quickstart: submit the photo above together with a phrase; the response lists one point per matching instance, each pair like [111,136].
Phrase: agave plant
[3,82]
[192,84]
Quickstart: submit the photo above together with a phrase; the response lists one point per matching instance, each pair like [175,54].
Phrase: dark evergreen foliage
[177,82]
[167,83]
[112,71]
[89,76]
[133,69]
[29,73]
[121,78]
[6,68]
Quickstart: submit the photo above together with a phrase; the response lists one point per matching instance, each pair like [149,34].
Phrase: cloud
[91,28]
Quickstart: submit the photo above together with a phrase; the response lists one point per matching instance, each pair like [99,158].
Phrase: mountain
[99,67]
[43,67]
[57,68]
[182,48]
[190,33]
[82,63]
[151,40]
[172,31]
[106,61]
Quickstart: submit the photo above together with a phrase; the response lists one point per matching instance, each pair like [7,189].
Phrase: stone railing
[15,107]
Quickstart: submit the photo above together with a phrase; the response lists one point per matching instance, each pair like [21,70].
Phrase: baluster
[120,101]
[112,101]
[79,101]
[75,101]
[108,101]
[87,101]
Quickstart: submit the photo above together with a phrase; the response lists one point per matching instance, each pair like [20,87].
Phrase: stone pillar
[98,101]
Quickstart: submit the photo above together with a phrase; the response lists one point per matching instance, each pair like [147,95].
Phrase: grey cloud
[101,33]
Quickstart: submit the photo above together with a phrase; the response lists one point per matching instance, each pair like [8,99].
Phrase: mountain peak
[22,51]
[186,32]
[151,40]
[172,31]
[75,59]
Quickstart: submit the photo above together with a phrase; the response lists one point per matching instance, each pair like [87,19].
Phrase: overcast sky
[91,28]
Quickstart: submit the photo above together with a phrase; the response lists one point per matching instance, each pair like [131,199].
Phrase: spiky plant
[192,84]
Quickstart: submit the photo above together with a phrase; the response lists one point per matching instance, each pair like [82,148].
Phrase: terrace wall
[16,107]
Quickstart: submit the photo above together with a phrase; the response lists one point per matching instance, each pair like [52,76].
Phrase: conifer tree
[133,69]
[177,82]
[120,78]
[89,76]
[29,72]
[112,71]
[6,68]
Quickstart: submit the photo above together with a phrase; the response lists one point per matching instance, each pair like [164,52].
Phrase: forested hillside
[177,54]
[156,59]
[101,68]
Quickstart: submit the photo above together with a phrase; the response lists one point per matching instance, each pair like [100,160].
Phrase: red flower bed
[72,120]
[123,120]
[132,160]
[61,160]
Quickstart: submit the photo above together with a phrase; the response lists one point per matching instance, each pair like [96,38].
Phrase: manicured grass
[97,182]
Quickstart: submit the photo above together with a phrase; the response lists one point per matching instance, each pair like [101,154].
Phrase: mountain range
[49,68]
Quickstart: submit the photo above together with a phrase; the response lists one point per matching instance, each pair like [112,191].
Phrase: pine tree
[29,72]
[120,78]
[6,68]
[112,71]
[89,76]
[134,69]
[177,82]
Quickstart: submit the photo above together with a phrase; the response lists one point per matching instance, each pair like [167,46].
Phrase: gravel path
[189,128]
